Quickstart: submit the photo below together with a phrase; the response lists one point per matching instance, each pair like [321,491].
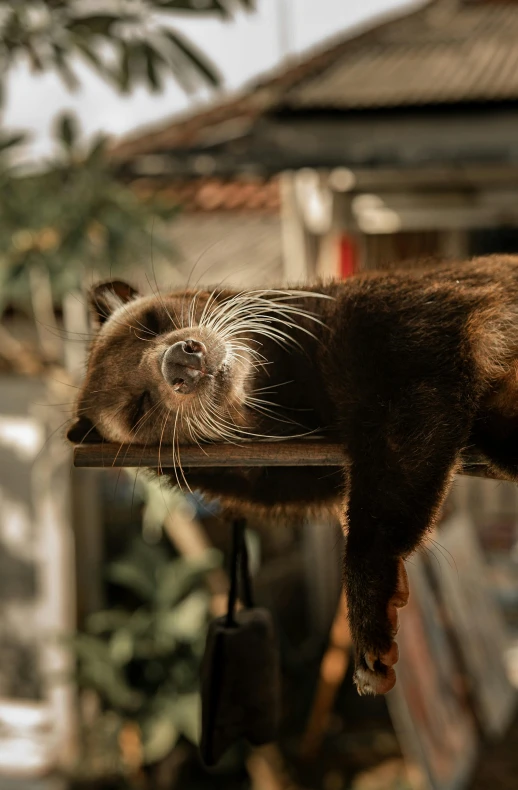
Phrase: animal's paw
[375,671]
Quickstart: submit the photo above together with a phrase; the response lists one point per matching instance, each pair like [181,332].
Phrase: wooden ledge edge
[290,453]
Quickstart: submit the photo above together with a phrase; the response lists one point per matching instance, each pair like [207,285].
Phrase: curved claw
[376,675]
[369,682]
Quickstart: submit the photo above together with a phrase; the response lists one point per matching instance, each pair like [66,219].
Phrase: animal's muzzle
[183,365]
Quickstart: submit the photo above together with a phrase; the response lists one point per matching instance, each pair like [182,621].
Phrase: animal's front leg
[397,483]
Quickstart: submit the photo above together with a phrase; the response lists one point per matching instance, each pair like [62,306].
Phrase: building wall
[241,249]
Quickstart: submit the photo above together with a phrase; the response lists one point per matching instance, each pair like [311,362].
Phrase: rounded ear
[106,297]
[83,431]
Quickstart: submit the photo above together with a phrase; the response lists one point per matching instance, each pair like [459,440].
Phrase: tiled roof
[216,194]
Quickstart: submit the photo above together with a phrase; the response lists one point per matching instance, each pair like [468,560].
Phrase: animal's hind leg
[400,471]
[390,509]
[495,429]
[496,436]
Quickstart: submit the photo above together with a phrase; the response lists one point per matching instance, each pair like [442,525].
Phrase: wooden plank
[306,453]
[289,453]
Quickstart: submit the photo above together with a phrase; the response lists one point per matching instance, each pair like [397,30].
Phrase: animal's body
[405,369]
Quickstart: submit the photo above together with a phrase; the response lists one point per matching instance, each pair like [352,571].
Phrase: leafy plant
[144,663]
[125,41]
[75,214]
[73,218]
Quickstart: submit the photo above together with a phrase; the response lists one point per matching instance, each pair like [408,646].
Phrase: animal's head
[175,367]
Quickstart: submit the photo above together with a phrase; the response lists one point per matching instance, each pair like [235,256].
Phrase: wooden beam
[288,453]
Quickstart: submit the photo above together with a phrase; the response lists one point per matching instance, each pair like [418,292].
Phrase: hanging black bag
[240,687]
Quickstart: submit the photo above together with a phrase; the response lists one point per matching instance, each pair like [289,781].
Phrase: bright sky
[241,49]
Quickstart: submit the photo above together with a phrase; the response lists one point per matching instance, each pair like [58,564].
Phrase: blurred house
[227,228]
[398,142]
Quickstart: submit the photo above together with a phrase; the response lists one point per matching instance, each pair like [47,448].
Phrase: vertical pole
[297,264]
[284,29]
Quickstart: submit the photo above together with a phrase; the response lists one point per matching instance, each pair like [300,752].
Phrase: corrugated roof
[447,52]
[234,116]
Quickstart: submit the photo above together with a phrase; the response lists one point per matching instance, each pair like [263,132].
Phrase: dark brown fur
[410,368]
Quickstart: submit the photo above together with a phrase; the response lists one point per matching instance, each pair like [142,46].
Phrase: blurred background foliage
[142,660]
[64,223]
[71,215]
[72,220]
[126,42]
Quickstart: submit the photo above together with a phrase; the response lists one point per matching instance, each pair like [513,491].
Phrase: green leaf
[96,24]
[124,74]
[141,622]
[168,719]
[194,57]
[153,61]
[187,715]
[180,576]
[97,670]
[90,648]
[159,502]
[110,684]
[8,141]
[89,53]
[149,558]
[96,156]
[108,620]
[61,61]
[199,7]
[205,7]
[190,5]
[188,619]
[129,575]
[121,647]
[67,130]
[159,738]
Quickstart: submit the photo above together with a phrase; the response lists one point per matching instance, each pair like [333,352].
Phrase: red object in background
[348,257]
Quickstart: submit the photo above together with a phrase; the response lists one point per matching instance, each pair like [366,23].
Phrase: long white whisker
[179,412]
[271,414]
[160,467]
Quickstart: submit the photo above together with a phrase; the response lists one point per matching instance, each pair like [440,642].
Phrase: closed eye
[140,407]
[155,322]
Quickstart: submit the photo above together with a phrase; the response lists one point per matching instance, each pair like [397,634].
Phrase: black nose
[183,365]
